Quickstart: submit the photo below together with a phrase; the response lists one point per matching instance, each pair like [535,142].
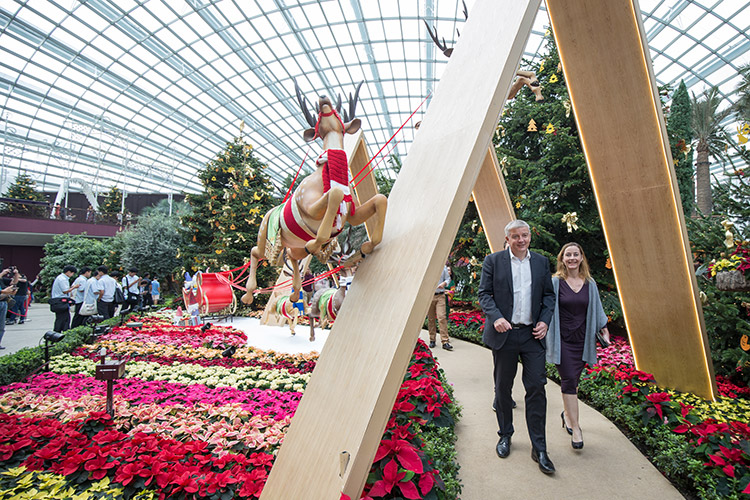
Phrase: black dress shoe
[577,445]
[503,447]
[541,457]
[432,344]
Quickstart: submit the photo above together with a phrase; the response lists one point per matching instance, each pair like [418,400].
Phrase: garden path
[609,466]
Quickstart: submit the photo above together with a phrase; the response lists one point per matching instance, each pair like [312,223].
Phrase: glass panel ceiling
[141,95]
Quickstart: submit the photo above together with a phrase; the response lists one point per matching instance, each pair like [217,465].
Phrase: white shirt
[88,291]
[106,283]
[131,283]
[61,283]
[78,293]
[521,271]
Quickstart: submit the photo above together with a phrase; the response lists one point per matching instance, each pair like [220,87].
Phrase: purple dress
[573,307]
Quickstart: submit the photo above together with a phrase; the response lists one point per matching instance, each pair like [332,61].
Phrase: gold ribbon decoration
[566,105]
[504,165]
[728,234]
[743,132]
[570,219]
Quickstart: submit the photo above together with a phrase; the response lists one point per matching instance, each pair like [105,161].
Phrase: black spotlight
[206,327]
[50,338]
[53,337]
[229,351]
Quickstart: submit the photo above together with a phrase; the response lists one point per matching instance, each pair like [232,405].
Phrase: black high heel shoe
[570,431]
[577,445]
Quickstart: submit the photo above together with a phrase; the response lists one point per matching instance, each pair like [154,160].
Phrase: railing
[10,207]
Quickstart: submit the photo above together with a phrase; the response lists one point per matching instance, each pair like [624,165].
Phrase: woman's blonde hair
[583,268]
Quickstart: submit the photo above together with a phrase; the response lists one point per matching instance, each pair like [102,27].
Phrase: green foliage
[179,208]
[112,203]
[152,245]
[15,367]
[66,249]
[680,137]
[742,105]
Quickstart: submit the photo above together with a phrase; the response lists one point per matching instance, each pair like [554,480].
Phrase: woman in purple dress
[571,339]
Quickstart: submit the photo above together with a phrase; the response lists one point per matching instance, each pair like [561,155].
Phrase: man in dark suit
[517,298]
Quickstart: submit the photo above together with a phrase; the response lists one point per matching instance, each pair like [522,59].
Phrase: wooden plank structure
[612,89]
[493,201]
[336,430]
[335,433]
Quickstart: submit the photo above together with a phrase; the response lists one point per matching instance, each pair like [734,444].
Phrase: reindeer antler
[352,103]
[446,51]
[302,100]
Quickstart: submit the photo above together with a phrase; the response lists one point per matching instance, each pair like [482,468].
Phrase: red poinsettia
[404,451]
[391,478]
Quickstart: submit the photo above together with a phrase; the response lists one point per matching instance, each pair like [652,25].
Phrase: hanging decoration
[541,67]
[570,219]
[550,129]
[744,344]
[743,132]
[532,126]
[504,165]
[553,79]
[566,105]
[728,234]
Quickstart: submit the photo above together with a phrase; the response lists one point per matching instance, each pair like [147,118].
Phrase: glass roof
[140,94]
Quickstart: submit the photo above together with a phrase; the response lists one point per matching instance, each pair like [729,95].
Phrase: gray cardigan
[596,319]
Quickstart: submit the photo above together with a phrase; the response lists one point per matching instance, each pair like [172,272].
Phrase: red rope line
[394,135]
[376,164]
[286,197]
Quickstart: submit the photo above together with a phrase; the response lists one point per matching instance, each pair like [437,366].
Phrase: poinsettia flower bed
[190,423]
[717,431]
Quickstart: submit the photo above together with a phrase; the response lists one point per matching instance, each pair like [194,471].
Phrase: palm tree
[709,140]
[742,106]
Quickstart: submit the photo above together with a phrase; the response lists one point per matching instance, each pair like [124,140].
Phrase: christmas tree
[223,226]
[23,188]
[112,203]
[539,149]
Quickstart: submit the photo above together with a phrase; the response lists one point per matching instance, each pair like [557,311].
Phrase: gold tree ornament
[570,219]
[242,126]
[728,234]
[743,132]
[744,344]
[553,79]
[550,128]
[504,165]
[532,126]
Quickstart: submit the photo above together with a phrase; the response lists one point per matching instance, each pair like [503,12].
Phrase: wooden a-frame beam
[609,74]
[338,425]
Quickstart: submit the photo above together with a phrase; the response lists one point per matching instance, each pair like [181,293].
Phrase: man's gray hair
[515,224]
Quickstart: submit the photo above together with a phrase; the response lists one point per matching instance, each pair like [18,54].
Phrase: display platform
[277,338]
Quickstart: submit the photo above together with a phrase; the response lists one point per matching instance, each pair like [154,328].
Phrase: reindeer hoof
[312,338]
[247,298]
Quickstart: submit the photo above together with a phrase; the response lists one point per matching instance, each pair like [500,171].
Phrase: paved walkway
[609,466]
[39,319]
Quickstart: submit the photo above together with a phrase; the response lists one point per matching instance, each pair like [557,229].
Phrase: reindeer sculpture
[326,303]
[527,78]
[288,309]
[309,220]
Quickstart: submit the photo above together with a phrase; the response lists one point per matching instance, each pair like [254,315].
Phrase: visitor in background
[145,287]
[90,214]
[9,277]
[155,290]
[105,291]
[130,287]
[34,286]
[571,342]
[437,311]
[61,287]
[5,294]
[78,295]
[21,298]
[518,300]
[120,306]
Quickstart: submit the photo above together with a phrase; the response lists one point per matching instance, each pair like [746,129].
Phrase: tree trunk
[704,201]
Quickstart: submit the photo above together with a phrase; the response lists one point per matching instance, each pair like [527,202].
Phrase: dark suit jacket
[496,294]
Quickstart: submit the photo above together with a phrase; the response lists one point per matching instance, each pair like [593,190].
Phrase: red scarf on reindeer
[336,174]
